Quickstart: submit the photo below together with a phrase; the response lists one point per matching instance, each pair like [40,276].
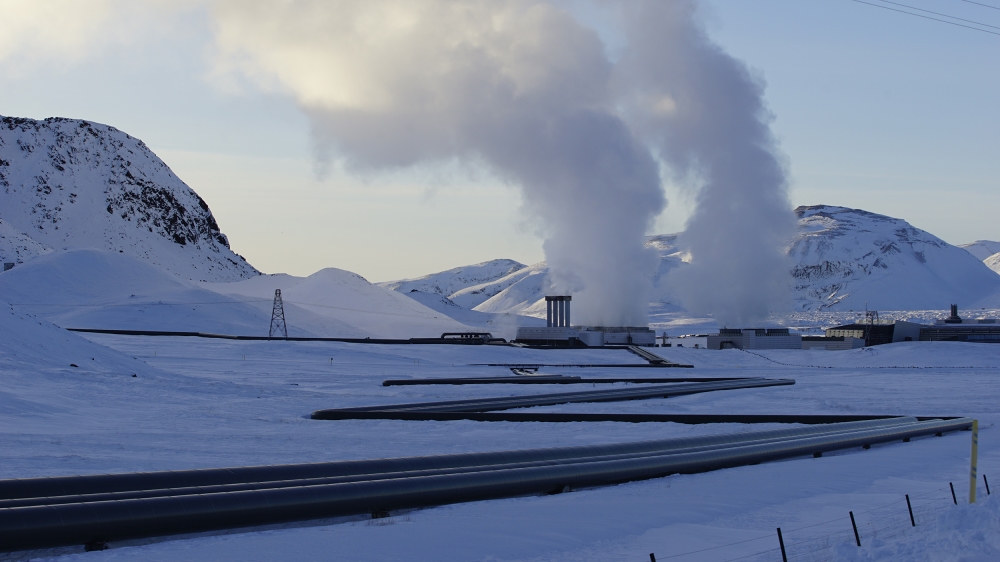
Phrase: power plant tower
[278,317]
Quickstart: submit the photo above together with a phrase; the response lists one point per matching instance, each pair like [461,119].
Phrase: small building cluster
[952,328]
[852,336]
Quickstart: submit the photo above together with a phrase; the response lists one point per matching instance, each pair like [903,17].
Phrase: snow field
[209,403]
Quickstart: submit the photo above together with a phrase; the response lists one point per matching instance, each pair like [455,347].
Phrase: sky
[873,109]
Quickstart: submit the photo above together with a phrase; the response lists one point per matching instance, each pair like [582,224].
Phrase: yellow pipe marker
[973,461]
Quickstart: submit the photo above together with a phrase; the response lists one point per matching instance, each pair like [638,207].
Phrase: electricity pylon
[278,317]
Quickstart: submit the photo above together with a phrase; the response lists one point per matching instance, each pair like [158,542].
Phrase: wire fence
[819,542]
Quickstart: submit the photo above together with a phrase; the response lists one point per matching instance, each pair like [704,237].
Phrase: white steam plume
[704,112]
[519,86]
[524,88]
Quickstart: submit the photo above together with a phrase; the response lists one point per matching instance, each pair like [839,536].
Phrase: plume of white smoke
[524,88]
[704,112]
[518,85]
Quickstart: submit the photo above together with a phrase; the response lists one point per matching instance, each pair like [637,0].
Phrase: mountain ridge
[842,258]
[68,183]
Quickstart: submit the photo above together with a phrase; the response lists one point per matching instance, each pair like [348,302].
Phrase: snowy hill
[982,249]
[87,288]
[17,247]
[32,345]
[451,281]
[993,262]
[346,297]
[67,183]
[844,258]
[847,257]
[518,293]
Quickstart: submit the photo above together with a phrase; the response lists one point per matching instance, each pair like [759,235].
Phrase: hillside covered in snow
[104,235]
[451,281]
[982,249]
[69,183]
[843,259]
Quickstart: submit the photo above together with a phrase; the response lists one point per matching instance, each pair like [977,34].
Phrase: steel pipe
[105,483]
[76,523]
[608,395]
[537,458]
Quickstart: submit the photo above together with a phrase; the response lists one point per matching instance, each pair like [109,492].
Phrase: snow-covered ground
[208,403]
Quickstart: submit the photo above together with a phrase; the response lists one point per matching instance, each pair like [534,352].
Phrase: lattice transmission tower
[278,326]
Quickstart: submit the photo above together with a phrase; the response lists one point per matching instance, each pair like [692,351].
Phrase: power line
[939,14]
[980,4]
[926,17]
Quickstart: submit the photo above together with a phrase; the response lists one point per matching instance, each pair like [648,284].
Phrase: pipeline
[550,379]
[612,395]
[106,483]
[564,417]
[586,455]
[19,492]
[510,474]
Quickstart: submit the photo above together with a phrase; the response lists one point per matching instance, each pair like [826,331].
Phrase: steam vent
[559,331]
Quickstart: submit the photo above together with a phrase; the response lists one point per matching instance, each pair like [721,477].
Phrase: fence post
[973,458]
[987,482]
[652,557]
[781,543]
[910,509]
[953,498]
[857,537]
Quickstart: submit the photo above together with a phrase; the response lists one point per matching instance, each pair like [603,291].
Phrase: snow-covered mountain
[68,183]
[982,249]
[843,258]
[451,281]
[17,247]
[993,262]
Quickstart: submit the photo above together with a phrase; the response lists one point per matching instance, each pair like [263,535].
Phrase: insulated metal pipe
[652,449]
[550,379]
[76,523]
[754,439]
[605,395]
[105,483]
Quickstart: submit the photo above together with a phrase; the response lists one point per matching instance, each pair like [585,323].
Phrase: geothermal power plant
[559,331]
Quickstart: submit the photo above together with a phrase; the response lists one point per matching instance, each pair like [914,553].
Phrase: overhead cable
[939,14]
[980,4]
[927,17]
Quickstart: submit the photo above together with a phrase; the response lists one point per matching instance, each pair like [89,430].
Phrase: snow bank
[964,533]
[32,345]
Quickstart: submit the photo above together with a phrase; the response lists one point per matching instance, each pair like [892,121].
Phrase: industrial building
[951,328]
[832,343]
[878,334]
[754,338]
[954,328]
[559,331]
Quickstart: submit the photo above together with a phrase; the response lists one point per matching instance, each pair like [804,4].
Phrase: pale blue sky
[874,109]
